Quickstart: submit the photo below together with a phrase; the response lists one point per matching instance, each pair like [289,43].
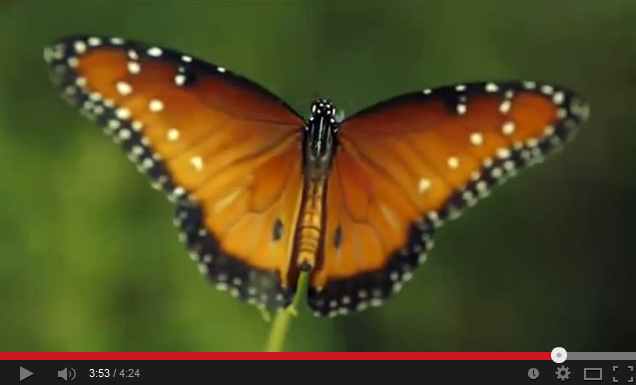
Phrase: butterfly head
[320,139]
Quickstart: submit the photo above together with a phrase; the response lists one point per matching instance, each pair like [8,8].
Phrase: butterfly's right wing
[407,164]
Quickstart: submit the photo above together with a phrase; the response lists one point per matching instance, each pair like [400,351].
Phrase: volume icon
[66,374]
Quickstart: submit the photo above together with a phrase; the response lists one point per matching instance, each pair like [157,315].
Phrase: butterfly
[262,194]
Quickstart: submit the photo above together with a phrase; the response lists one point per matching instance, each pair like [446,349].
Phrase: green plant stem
[278,332]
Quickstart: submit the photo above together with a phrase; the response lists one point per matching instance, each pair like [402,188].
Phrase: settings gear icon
[563,373]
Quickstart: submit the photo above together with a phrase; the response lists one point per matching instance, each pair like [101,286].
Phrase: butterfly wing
[222,148]
[407,164]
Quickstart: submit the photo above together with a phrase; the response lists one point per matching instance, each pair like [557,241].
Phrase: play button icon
[24,373]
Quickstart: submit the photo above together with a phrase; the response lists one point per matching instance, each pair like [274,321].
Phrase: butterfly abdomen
[310,230]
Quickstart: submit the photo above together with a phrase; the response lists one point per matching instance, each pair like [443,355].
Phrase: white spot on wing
[504,107]
[94,41]
[580,109]
[122,113]
[80,46]
[58,52]
[123,88]
[476,138]
[48,54]
[155,105]
[423,185]
[547,89]
[197,163]
[180,79]
[529,85]
[503,153]
[172,134]
[134,67]
[155,51]
[562,113]
[453,162]
[508,128]
[113,124]
[124,134]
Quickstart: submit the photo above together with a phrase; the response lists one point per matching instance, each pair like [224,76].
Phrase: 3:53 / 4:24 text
[106,373]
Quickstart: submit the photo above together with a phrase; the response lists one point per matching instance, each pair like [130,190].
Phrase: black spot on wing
[367,289]
[277,231]
[337,237]
[228,273]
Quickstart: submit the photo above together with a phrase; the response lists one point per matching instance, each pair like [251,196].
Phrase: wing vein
[380,169]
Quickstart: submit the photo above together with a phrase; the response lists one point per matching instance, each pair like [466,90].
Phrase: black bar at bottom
[327,372]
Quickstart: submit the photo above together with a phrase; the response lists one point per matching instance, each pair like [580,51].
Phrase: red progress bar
[278,356]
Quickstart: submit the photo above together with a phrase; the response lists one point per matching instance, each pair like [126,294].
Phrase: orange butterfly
[262,194]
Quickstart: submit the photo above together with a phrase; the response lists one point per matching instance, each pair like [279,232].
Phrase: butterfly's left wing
[221,147]
[407,164]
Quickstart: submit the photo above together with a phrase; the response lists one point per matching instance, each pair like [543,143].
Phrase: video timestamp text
[112,373]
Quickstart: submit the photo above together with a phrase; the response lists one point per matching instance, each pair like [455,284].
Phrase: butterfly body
[320,139]
[310,229]
[262,194]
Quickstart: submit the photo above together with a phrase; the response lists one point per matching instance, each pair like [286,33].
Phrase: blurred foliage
[89,259]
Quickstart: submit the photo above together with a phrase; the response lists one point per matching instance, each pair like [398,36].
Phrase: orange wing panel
[223,148]
[406,165]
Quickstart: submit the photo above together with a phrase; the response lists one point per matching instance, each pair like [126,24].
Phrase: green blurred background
[89,259]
